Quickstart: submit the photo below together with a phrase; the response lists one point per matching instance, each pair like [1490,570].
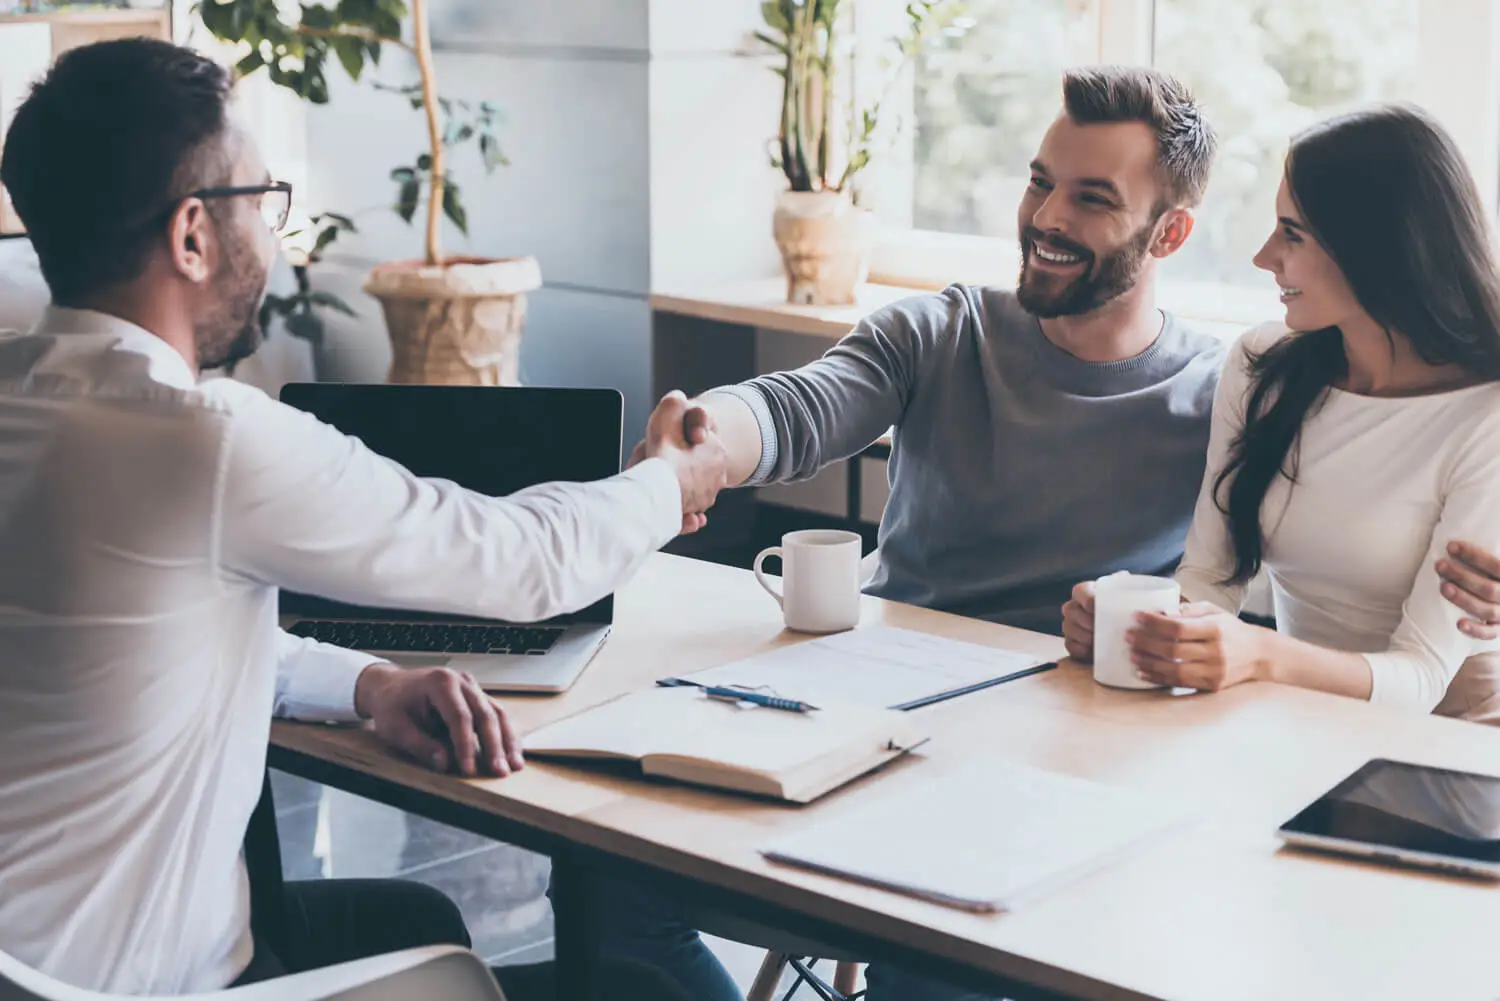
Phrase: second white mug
[820,579]
[1118,598]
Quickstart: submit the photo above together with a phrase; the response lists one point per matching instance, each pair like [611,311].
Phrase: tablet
[1398,812]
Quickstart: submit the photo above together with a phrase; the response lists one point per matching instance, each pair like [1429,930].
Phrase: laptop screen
[492,440]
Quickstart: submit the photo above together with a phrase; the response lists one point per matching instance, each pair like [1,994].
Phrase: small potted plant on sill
[824,235]
[454,320]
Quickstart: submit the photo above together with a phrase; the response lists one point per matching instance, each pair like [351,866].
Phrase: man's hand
[1078,623]
[440,717]
[683,435]
[1471,580]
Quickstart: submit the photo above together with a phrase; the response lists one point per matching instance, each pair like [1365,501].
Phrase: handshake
[685,437]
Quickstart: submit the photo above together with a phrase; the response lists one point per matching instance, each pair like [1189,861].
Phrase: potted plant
[825,237]
[456,320]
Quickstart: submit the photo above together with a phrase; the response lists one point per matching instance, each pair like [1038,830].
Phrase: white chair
[432,973]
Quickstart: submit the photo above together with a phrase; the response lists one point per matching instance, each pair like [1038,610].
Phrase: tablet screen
[1410,807]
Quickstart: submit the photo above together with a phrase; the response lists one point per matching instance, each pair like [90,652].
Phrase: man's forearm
[739,431]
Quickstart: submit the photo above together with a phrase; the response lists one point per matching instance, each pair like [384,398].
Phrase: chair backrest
[431,973]
[19,982]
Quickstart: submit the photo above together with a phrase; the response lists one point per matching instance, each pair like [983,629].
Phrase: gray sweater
[1018,470]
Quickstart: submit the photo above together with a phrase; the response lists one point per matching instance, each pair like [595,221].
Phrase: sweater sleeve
[1209,557]
[1427,648]
[836,406]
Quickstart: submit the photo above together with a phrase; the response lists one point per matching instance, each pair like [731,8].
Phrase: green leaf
[330,301]
[249,64]
[308,326]
[319,17]
[402,175]
[407,199]
[775,16]
[424,162]
[325,237]
[457,132]
[453,208]
[336,221]
[766,39]
[490,152]
[351,52]
[239,18]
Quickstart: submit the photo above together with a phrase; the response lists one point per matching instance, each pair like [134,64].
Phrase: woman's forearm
[1289,661]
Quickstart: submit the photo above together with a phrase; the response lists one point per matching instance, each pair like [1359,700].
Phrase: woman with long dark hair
[1347,451]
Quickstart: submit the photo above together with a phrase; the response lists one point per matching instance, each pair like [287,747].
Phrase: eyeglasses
[275,200]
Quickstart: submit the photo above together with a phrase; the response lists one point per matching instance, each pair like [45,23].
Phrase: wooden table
[1218,913]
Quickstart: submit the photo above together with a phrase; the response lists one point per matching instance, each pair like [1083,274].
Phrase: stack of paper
[983,838]
[881,667]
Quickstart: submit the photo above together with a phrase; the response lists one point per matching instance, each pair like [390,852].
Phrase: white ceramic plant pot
[825,244]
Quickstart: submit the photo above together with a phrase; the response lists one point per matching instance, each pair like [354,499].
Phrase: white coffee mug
[820,579]
[1118,598]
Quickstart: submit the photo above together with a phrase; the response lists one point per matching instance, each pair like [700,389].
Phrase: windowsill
[763,304]
[925,259]
[1222,310]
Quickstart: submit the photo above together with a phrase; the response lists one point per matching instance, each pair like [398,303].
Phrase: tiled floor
[500,889]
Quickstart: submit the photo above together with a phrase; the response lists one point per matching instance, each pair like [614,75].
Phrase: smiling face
[1091,216]
[1313,288]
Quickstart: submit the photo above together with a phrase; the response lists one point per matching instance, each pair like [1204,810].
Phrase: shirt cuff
[770,448]
[318,682]
[1396,680]
[659,480]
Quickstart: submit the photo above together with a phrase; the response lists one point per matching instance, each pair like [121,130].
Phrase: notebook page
[685,723]
[631,726]
[982,838]
[877,667]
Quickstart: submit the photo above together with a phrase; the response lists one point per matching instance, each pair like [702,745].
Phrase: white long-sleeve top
[1383,485]
[146,522]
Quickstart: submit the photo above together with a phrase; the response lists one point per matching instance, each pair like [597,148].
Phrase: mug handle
[760,574]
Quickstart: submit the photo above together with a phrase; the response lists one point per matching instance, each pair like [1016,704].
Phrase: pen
[741,695]
[758,699]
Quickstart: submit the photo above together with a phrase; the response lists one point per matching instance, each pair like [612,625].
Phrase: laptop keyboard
[429,637]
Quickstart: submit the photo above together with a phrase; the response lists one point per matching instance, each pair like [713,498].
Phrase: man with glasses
[147,519]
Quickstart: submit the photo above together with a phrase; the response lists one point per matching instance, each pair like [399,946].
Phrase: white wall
[571,76]
[714,105]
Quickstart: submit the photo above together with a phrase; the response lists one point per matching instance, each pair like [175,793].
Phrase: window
[982,101]
[1263,69]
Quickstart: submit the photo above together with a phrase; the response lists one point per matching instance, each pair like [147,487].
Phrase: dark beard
[232,333]
[1101,282]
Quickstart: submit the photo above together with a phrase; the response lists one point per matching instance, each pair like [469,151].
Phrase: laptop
[495,441]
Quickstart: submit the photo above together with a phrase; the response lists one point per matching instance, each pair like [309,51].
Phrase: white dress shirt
[1383,485]
[146,522]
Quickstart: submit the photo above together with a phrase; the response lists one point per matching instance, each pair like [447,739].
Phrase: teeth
[1291,291]
[1053,257]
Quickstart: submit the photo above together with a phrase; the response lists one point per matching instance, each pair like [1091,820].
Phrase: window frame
[1458,81]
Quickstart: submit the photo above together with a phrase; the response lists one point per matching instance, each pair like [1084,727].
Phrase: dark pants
[307,925]
[332,921]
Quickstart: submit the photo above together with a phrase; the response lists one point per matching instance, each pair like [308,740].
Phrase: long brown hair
[1386,193]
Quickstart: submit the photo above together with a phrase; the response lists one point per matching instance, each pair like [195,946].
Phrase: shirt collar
[165,364]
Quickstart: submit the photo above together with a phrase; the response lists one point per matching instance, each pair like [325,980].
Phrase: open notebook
[680,734]
[982,838]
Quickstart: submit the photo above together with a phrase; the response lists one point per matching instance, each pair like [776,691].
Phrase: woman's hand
[1201,646]
[1078,623]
